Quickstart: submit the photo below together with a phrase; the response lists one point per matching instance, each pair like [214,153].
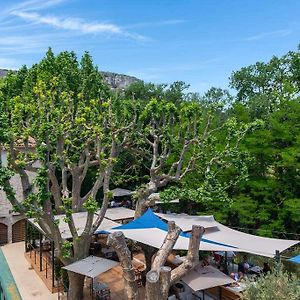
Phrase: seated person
[234,276]
[266,268]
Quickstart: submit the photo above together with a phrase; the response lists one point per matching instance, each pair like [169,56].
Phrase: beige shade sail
[118,192]
[155,237]
[220,233]
[201,278]
[119,213]
[79,221]
[186,222]
[91,266]
[247,242]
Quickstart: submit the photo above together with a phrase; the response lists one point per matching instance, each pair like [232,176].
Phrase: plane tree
[62,106]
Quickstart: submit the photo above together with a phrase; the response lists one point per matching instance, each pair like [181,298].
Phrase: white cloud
[270,34]
[77,25]
[34,5]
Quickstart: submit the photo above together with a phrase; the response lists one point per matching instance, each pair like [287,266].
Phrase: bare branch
[192,258]
[167,246]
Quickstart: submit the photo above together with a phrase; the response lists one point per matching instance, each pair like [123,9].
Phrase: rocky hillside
[114,80]
[3,72]
[118,81]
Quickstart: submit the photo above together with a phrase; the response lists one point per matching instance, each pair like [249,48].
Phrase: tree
[263,86]
[159,278]
[63,106]
[189,139]
[277,285]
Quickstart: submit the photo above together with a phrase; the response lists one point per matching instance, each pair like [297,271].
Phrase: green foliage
[277,285]
[91,205]
[66,249]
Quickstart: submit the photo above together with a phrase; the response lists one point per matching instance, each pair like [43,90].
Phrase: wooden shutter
[18,231]
[3,234]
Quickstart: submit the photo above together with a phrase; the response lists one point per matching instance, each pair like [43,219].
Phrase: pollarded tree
[174,140]
[160,278]
[63,107]
[186,138]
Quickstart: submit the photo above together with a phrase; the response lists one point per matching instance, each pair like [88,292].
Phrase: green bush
[277,285]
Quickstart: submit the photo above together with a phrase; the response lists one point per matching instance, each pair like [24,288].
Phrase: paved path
[30,286]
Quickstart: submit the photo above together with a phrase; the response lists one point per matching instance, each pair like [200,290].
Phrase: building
[12,224]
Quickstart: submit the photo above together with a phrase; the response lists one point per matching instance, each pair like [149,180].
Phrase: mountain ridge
[114,80]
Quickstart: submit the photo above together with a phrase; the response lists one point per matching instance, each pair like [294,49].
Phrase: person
[266,268]
[217,258]
[230,256]
[237,276]
[244,265]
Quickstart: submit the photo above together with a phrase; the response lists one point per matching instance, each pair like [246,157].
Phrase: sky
[200,42]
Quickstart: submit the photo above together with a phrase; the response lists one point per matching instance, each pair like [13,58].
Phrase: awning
[186,222]
[119,213]
[295,259]
[201,278]
[121,192]
[220,233]
[155,237]
[151,230]
[79,220]
[91,266]
[166,202]
[247,242]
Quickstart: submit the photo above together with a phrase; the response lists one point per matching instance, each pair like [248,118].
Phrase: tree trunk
[149,252]
[165,278]
[153,291]
[117,241]
[140,208]
[76,282]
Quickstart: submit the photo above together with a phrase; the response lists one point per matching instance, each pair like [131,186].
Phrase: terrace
[149,229]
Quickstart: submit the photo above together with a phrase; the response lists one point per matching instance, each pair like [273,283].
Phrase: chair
[138,278]
[103,294]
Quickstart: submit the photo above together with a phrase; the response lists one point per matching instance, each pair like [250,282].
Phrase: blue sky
[198,41]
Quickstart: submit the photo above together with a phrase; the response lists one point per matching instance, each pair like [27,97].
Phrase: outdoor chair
[138,278]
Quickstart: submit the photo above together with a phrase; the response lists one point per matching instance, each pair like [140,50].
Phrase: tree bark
[117,241]
[192,258]
[76,282]
[152,286]
[167,246]
[165,278]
